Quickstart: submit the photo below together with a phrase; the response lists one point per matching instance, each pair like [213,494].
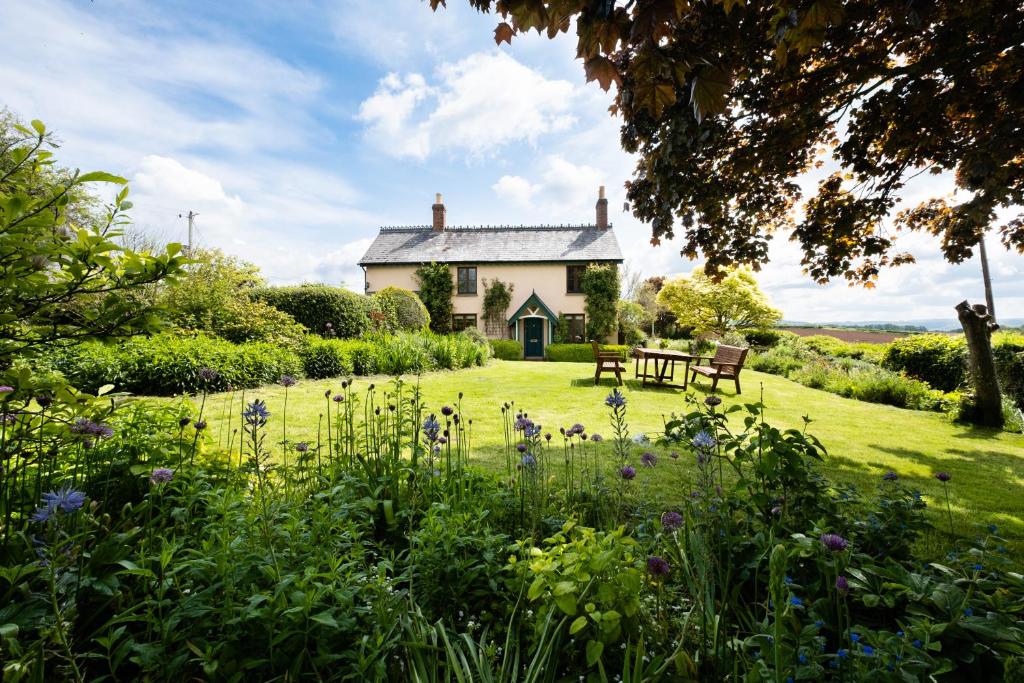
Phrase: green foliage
[733,303]
[601,290]
[764,339]
[497,299]
[580,353]
[410,313]
[322,309]
[633,322]
[837,348]
[506,349]
[214,296]
[939,359]
[391,354]
[169,363]
[65,277]
[1008,349]
[436,288]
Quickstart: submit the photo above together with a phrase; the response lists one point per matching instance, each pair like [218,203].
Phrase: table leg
[686,375]
[645,372]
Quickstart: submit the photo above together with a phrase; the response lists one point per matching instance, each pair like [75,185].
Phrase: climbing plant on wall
[601,289]
[436,293]
[497,299]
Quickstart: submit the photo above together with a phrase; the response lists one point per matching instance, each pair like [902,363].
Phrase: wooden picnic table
[664,366]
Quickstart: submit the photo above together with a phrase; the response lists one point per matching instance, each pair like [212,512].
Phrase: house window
[467,280]
[574,279]
[462,321]
[576,329]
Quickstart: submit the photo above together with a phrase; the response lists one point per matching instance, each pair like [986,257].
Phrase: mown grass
[864,440]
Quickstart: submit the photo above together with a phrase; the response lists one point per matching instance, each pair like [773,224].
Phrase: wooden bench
[726,363]
[607,361]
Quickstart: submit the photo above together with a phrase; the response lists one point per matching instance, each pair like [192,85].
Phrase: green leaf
[39,126]
[566,603]
[326,619]
[105,389]
[578,625]
[101,177]
[594,650]
[536,588]
[563,587]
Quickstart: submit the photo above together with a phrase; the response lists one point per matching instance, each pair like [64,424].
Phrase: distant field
[868,336]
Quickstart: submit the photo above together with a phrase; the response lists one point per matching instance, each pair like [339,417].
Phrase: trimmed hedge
[506,349]
[168,364]
[322,309]
[1008,348]
[410,313]
[939,359]
[580,353]
[391,354]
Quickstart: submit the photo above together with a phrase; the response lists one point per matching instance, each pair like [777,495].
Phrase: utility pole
[191,217]
[987,279]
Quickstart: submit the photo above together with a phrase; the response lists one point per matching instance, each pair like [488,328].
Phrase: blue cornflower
[993,529]
[615,399]
[795,601]
[868,650]
[431,427]
[528,460]
[703,440]
[890,476]
[968,612]
[802,658]
[978,567]
[788,580]
[855,637]
[66,499]
[843,652]
[899,633]
[819,623]
[916,643]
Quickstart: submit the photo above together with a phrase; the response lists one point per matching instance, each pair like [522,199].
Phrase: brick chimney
[602,210]
[438,208]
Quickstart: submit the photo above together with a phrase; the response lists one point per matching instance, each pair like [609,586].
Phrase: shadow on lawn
[627,385]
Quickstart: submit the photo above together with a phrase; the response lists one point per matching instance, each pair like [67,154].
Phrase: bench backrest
[597,348]
[734,355]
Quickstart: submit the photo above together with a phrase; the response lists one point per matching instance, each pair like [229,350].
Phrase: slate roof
[492,244]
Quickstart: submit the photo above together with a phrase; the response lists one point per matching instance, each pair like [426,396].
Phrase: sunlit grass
[863,440]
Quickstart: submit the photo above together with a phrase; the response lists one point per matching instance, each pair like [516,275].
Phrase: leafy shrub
[435,280]
[322,358]
[580,353]
[391,354]
[506,349]
[837,348]
[410,313]
[1008,349]
[600,286]
[938,359]
[169,363]
[322,309]
[866,382]
[780,360]
[763,338]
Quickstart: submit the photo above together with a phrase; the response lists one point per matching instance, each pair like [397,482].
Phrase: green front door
[533,343]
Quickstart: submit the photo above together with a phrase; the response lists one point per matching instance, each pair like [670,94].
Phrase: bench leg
[597,376]
[714,384]
[618,376]
[738,392]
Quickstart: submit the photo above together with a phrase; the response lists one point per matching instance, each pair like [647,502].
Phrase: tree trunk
[978,328]
[986,279]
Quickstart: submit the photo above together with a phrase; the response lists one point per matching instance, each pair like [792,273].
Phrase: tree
[647,298]
[633,320]
[65,277]
[436,294]
[216,296]
[732,303]
[727,103]
[600,286]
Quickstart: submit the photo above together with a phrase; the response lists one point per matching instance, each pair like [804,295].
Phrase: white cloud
[479,104]
[515,189]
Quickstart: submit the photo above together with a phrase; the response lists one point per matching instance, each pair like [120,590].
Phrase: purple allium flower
[183,422]
[628,472]
[577,428]
[44,401]
[649,459]
[596,438]
[658,567]
[615,399]
[288,381]
[703,440]
[671,521]
[442,440]
[447,411]
[327,394]
[547,437]
[338,398]
[302,447]
[437,448]
[208,374]
[522,423]
[521,447]
[5,389]
[256,413]
[890,476]
[530,431]
[943,476]
[86,427]
[64,499]
[674,455]
[200,425]
[842,584]
[834,542]
[712,401]
[528,460]
[161,475]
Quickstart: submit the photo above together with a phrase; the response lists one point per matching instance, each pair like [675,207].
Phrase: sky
[295,129]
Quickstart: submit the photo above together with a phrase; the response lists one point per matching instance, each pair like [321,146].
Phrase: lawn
[864,440]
